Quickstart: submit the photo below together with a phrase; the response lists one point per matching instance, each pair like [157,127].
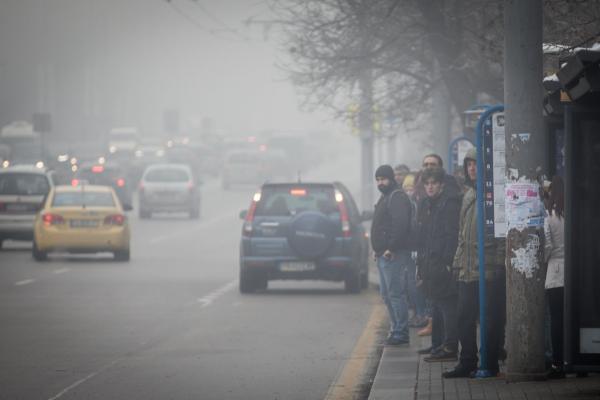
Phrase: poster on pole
[524,208]
[494,161]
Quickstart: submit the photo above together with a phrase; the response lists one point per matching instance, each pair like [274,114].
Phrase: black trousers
[468,314]
[444,320]
[555,302]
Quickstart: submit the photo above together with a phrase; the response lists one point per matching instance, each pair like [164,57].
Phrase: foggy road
[171,323]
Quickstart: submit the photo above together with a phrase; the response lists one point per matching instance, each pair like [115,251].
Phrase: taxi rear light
[116,219]
[52,219]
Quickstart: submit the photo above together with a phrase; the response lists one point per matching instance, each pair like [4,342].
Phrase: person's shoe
[426,350]
[396,341]
[422,322]
[459,371]
[427,330]
[443,354]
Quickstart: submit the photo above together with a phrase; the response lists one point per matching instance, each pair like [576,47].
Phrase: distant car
[255,167]
[82,219]
[107,174]
[303,231]
[22,192]
[169,188]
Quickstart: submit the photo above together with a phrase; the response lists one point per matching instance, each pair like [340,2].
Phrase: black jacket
[390,229]
[438,221]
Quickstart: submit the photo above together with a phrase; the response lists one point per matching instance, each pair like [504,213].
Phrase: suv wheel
[364,279]
[352,281]
[247,282]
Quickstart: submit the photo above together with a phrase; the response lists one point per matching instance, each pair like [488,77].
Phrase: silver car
[22,191]
[169,188]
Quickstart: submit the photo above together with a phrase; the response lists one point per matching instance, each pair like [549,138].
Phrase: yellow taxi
[81,219]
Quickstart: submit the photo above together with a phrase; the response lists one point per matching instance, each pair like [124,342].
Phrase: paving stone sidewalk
[403,375]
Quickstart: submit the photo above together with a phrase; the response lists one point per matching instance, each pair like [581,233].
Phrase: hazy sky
[132,59]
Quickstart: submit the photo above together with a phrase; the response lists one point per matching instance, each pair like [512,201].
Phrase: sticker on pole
[524,208]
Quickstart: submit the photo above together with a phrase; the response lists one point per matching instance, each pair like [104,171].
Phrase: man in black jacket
[390,238]
[438,219]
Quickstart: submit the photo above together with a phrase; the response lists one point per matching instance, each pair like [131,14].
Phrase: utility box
[582,237]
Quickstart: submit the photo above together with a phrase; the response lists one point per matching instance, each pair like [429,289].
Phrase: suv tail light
[52,219]
[74,182]
[190,187]
[115,219]
[339,199]
[247,229]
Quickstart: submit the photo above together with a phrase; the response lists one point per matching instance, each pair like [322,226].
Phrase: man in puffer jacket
[466,262]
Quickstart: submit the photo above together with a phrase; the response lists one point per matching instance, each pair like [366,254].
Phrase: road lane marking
[61,270]
[176,234]
[83,380]
[348,382]
[24,282]
[211,297]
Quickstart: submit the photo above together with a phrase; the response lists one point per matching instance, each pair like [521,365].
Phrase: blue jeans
[393,288]
[415,295]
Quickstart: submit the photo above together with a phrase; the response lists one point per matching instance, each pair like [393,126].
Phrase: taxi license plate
[297,266]
[84,223]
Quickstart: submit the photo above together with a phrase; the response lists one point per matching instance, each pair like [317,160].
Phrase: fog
[97,64]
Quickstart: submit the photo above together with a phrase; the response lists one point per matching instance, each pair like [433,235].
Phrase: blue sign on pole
[483,167]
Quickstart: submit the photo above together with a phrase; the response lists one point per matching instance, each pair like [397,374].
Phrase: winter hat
[385,171]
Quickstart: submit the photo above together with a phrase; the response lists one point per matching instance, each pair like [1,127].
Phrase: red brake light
[247,230]
[339,199]
[116,219]
[74,182]
[97,169]
[52,219]
[120,182]
[298,192]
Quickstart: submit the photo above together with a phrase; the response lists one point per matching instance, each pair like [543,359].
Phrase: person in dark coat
[390,238]
[451,185]
[438,219]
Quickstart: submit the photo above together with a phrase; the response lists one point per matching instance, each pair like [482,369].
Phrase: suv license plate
[295,266]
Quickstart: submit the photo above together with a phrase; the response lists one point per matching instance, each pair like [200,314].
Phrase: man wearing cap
[390,238]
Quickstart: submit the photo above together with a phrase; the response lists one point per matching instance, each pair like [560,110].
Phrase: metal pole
[483,371]
[525,161]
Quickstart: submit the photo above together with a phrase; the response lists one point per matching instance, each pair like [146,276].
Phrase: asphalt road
[170,324]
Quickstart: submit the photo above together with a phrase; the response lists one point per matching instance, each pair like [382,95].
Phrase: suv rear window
[23,184]
[291,200]
[167,175]
[89,199]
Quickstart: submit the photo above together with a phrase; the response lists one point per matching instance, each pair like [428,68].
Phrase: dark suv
[303,231]
[108,174]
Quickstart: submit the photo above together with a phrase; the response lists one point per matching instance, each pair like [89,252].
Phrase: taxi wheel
[38,255]
[122,255]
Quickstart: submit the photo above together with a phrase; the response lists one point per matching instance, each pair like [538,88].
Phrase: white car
[22,192]
[169,188]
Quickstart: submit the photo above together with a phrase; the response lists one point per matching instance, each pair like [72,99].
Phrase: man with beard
[390,238]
